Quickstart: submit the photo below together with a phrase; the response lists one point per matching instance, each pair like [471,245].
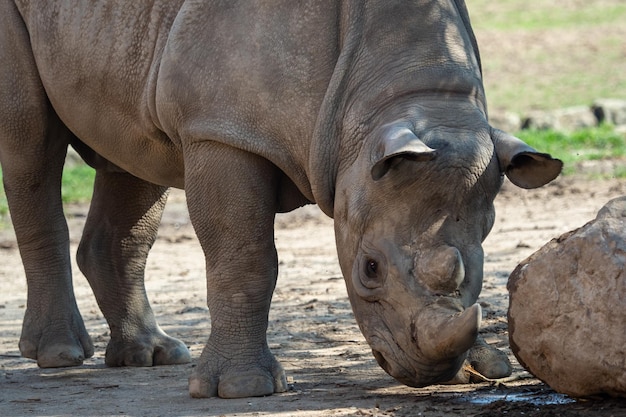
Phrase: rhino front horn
[444,332]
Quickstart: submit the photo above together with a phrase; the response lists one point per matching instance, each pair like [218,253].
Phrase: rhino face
[410,218]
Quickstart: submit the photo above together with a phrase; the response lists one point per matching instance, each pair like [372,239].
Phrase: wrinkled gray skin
[373,110]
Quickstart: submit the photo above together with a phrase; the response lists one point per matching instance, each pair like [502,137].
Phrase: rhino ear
[523,165]
[400,143]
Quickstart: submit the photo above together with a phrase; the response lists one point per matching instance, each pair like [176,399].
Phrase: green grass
[77,187]
[582,145]
[77,184]
[4,208]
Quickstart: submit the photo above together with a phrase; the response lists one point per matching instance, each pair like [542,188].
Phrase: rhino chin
[399,373]
[422,375]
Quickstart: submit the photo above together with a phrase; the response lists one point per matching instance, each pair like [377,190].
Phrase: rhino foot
[56,342]
[484,362]
[155,348]
[57,355]
[489,361]
[263,377]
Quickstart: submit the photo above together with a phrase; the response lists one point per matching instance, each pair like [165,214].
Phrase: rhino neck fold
[326,146]
[429,50]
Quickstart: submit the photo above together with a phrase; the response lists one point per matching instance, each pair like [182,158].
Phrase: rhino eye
[368,277]
[371,268]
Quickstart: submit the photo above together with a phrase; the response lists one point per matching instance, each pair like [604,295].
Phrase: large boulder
[567,311]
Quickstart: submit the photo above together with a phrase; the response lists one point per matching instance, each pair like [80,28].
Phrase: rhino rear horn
[523,165]
[400,143]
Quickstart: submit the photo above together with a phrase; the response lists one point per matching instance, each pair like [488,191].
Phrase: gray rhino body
[373,110]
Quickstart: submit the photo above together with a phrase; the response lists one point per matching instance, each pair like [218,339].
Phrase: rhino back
[97,62]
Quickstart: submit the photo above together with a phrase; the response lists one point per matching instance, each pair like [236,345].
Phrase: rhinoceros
[374,110]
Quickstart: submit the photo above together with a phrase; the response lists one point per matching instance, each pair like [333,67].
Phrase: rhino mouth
[406,364]
[387,360]
[394,369]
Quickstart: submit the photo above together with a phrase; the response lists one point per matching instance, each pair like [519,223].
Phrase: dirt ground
[330,368]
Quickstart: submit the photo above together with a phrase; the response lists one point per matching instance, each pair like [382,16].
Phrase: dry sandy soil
[329,366]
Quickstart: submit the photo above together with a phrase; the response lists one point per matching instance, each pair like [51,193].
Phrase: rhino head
[411,212]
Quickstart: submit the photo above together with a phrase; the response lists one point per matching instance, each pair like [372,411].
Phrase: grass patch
[590,144]
[77,184]
[547,55]
[77,187]
[551,76]
[509,15]
[4,208]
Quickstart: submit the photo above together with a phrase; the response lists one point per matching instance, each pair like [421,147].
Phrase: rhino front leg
[485,359]
[232,199]
[121,228]
[489,361]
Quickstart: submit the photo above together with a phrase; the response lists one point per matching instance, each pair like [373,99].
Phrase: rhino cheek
[396,352]
[398,372]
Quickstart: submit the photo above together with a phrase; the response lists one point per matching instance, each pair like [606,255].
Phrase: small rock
[8,244]
[566,119]
[567,308]
[192,309]
[539,120]
[611,111]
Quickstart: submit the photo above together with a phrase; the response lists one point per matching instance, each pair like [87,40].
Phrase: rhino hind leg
[121,228]
[33,143]
[242,267]
[53,331]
